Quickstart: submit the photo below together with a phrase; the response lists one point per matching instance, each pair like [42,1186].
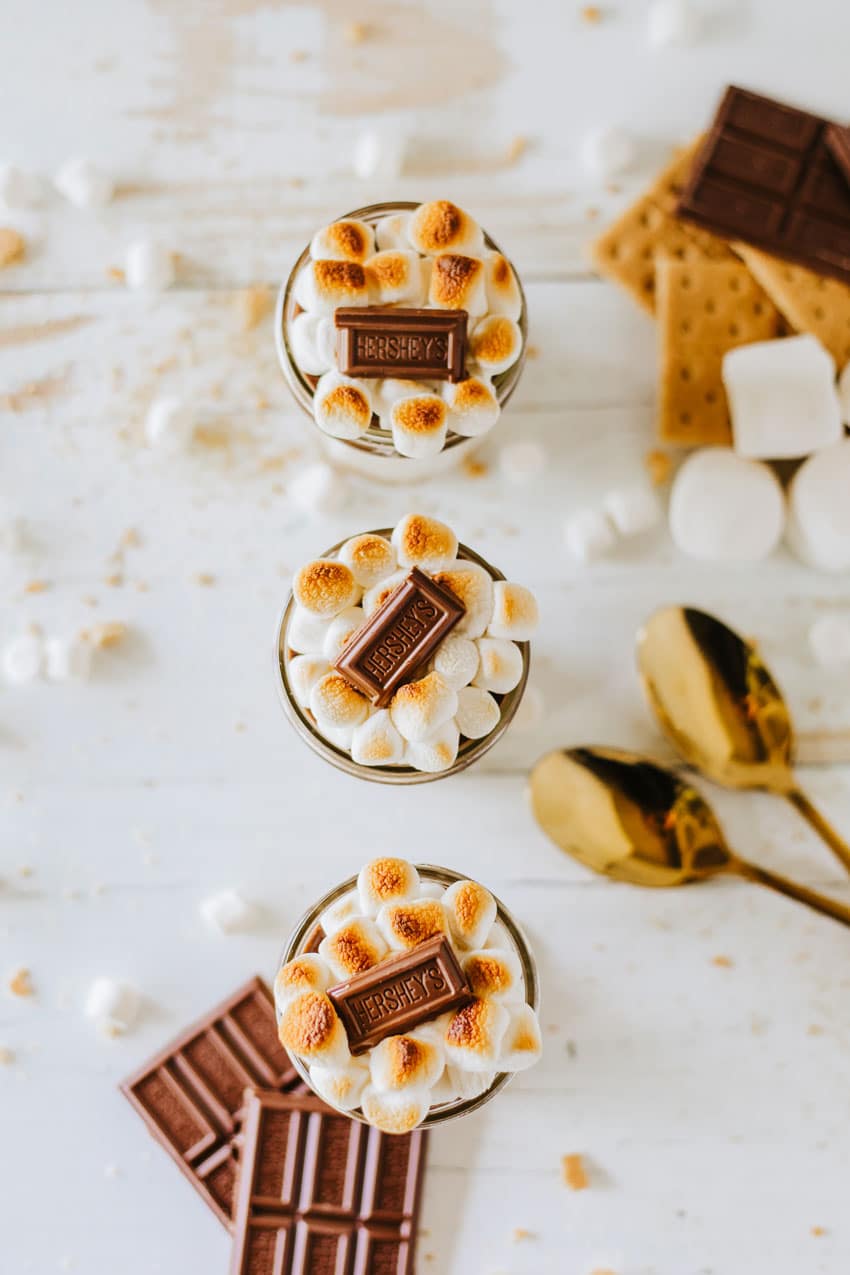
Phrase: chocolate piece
[192,1093]
[321,1194]
[398,994]
[379,340]
[398,638]
[838,141]
[767,176]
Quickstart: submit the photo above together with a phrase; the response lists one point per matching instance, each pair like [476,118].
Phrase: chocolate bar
[191,1094]
[321,1194]
[766,175]
[397,994]
[838,141]
[398,638]
[383,341]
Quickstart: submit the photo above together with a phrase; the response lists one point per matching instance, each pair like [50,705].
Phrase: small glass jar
[302,940]
[373,454]
[470,750]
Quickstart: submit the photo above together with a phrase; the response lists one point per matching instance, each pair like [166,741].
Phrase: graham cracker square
[809,301]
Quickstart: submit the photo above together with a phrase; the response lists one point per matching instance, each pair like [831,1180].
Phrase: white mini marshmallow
[477,712]
[457,283]
[341,912]
[18,189]
[23,659]
[819,509]
[318,489]
[522,1044]
[724,508]
[471,910]
[634,509]
[376,742]
[520,462]
[113,1006]
[342,1087]
[391,231]
[672,23]
[456,660]
[324,587]
[345,240]
[395,1112]
[68,659]
[498,937]
[401,1063]
[473,1039]
[474,587]
[227,912]
[84,184]
[388,391]
[353,948]
[149,266]
[461,1086]
[419,708]
[310,1028]
[494,973]
[312,338]
[441,226]
[419,425]
[515,612]
[495,344]
[829,638]
[844,394]
[473,406]
[503,291]
[341,628]
[324,285]
[406,925]
[386,880]
[589,534]
[304,671]
[782,398]
[424,542]
[342,406]
[336,705]
[379,153]
[607,152]
[500,665]
[378,594]
[370,558]
[305,632]
[436,753]
[395,278]
[430,890]
[170,423]
[341,737]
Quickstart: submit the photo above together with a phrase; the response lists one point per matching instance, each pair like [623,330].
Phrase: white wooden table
[709,1099]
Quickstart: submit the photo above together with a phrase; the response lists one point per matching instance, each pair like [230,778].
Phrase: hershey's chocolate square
[382,341]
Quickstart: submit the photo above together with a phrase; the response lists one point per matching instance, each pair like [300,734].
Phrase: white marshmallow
[503,291]
[495,344]
[395,1112]
[520,462]
[386,880]
[324,587]
[306,632]
[342,406]
[522,1044]
[724,508]
[473,406]
[844,394]
[304,973]
[84,184]
[531,710]
[456,660]
[341,628]
[68,659]
[515,612]
[310,1029]
[406,925]
[304,672]
[477,712]
[318,489]
[782,398]
[474,587]
[170,423]
[424,542]
[353,948]
[395,278]
[607,152]
[471,910]
[419,425]
[341,737]
[494,973]
[377,742]
[344,240]
[113,1006]
[461,1086]
[430,890]
[379,153]
[388,391]
[324,285]
[500,665]
[17,188]
[819,509]
[227,912]
[370,558]
[436,753]
[342,1087]
[312,339]
[378,594]
[23,659]
[672,23]
[418,708]
[401,1063]
[457,283]
[336,705]
[149,266]
[829,638]
[589,534]
[441,226]
[498,937]
[474,1036]
[341,912]
[633,510]
[391,231]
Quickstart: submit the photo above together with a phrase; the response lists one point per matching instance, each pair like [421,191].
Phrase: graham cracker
[810,302]
[647,230]
[704,309]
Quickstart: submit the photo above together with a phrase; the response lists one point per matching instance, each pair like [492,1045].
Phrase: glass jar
[373,454]
[302,940]
[470,750]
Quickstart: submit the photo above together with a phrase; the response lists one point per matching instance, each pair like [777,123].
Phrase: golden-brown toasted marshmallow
[522,1044]
[305,973]
[440,226]
[386,880]
[493,972]
[503,294]
[342,407]
[457,283]
[370,558]
[353,948]
[473,406]
[406,925]
[310,1029]
[378,594]
[424,542]
[419,425]
[472,586]
[406,1062]
[323,285]
[471,911]
[395,1112]
[515,612]
[335,703]
[418,708]
[495,344]
[324,587]
[343,241]
[474,1035]
[395,278]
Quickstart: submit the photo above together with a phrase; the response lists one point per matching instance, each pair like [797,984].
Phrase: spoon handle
[801,893]
[822,827]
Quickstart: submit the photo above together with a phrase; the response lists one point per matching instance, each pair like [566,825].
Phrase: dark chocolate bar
[766,175]
[384,341]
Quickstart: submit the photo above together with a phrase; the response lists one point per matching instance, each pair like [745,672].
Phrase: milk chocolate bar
[767,175]
[838,141]
[398,638]
[381,341]
[396,995]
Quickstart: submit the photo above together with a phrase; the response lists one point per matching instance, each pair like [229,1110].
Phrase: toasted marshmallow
[457,283]
[342,1087]
[500,665]
[441,226]
[342,407]
[395,1112]
[389,390]
[323,285]
[306,973]
[324,587]
[312,338]
[340,912]
[336,705]
[310,1029]
[401,1063]
[419,425]
[522,1044]
[341,630]
[370,559]
[406,925]
[376,742]
[515,612]
[456,660]
[353,948]
[424,542]
[477,712]
[503,293]
[472,585]
[305,633]
[473,406]
[395,278]
[495,344]
[474,1036]
[391,232]
[343,241]
[436,753]
[471,911]
[419,708]
[386,880]
[495,973]
[378,594]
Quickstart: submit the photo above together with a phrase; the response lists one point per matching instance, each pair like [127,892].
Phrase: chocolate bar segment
[398,638]
[398,994]
[767,175]
[838,141]
[380,341]
[310,1178]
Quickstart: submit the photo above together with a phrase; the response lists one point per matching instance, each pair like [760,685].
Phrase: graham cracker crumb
[110,633]
[475,468]
[252,306]
[114,581]
[37,586]
[814,1029]
[520,1234]
[532,352]
[516,148]
[7,1056]
[659,466]
[131,538]
[299,55]
[723,962]
[575,1177]
[20,984]
[356,32]
[116,274]
[205,578]
[592,14]
[591,214]
[818,1230]
[12,246]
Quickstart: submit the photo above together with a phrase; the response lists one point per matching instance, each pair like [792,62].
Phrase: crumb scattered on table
[575,1176]
[356,32]
[110,633]
[12,246]
[252,306]
[37,586]
[520,1234]
[475,468]
[723,962]
[205,578]
[516,148]
[818,1230]
[7,1056]
[592,14]
[659,466]
[116,274]
[20,984]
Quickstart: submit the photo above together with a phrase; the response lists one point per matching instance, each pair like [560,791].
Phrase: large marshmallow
[671,23]
[342,406]
[500,665]
[419,425]
[471,910]
[819,509]
[391,231]
[406,925]
[494,973]
[424,542]
[589,534]
[113,1006]
[336,705]
[608,151]
[473,406]
[633,509]
[456,660]
[401,1063]
[378,594]
[418,708]
[782,398]
[379,153]
[340,631]
[305,973]
[227,912]
[503,290]
[23,659]
[324,587]
[340,912]
[312,339]
[386,880]
[318,489]
[149,266]
[515,612]
[343,241]
[310,1029]
[724,508]
[396,278]
[84,184]
[395,1112]
[370,558]
[304,672]
[376,742]
[473,586]
[457,283]
[387,392]
[495,344]
[353,948]
[473,1039]
[441,226]
[522,1044]
[478,714]
[436,753]
[306,632]
[324,285]
[342,1087]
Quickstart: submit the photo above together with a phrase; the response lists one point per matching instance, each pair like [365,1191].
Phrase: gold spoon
[632,820]
[721,709]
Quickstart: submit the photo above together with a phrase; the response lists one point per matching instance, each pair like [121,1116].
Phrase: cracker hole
[710,306]
[735,285]
[711,397]
[734,330]
[758,308]
[643,219]
[684,418]
[648,252]
[819,312]
[684,373]
[685,325]
[685,281]
[614,251]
